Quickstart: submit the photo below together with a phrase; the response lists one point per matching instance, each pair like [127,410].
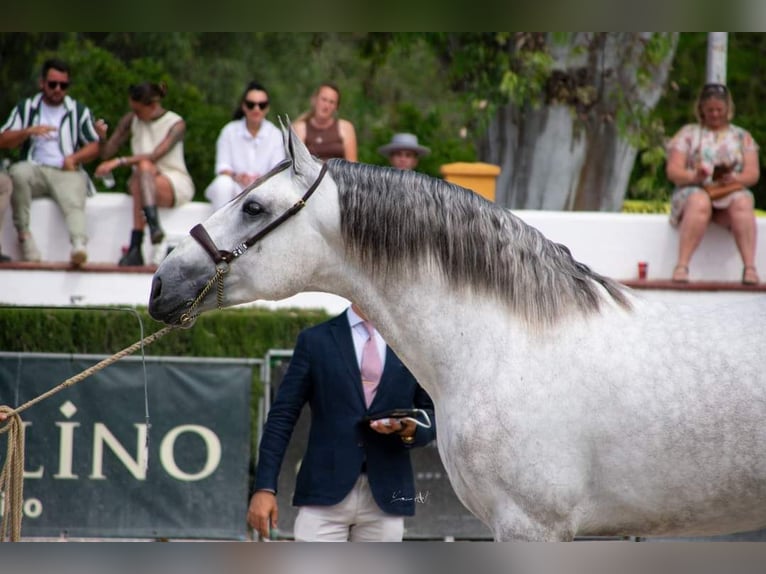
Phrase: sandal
[681,274]
[750,275]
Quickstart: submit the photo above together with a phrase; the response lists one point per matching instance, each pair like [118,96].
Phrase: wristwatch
[407,439]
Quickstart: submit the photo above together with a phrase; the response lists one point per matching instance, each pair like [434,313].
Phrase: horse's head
[264,244]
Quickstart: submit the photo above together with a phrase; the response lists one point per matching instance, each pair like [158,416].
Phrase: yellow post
[477,176]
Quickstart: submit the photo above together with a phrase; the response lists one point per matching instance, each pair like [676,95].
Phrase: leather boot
[133,257]
[153,220]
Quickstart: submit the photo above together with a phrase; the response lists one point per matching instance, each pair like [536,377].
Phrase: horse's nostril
[156,288]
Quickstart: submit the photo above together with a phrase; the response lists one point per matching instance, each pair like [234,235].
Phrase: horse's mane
[397,221]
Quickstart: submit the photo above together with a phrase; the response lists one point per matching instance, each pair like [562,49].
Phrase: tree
[562,114]
[576,109]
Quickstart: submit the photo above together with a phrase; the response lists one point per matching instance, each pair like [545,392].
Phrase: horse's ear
[284,126]
[295,149]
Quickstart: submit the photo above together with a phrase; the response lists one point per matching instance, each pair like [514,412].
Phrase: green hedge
[241,333]
[658,206]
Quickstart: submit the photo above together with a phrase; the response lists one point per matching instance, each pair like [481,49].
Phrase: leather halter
[218,256]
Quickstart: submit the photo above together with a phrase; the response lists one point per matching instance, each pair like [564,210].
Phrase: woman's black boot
[153,220]
[133,257]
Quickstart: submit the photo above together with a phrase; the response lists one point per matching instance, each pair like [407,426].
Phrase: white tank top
[146,136]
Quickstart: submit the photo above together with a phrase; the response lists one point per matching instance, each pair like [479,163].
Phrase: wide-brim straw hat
[406,142]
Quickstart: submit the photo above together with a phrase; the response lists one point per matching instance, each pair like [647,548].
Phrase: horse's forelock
[393,220]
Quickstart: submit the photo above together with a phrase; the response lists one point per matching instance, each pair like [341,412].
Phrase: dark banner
[97,467]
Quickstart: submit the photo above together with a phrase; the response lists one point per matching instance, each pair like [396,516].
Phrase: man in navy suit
[355,480]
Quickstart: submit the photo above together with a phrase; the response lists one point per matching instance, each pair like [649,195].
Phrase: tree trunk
[576,150]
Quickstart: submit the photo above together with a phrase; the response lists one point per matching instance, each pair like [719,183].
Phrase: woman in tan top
[325,135]
[160,177]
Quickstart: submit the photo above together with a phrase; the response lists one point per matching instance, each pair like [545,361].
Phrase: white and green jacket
[76,129]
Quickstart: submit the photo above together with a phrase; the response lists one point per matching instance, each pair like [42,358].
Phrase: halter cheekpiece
[222,258]
[199,232]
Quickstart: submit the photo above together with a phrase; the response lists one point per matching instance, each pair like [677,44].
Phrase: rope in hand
[12,477]
[12,474]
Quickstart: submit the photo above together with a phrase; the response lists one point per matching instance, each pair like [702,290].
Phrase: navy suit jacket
[324,373]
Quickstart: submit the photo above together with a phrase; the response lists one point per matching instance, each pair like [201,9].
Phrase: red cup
[643,267]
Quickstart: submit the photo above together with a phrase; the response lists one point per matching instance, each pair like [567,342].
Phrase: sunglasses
[250,105]
[714,89]
[53,85]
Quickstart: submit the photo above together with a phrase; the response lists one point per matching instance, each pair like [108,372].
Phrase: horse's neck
[435,331]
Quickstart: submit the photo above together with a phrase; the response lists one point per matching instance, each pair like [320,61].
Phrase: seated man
[58,135]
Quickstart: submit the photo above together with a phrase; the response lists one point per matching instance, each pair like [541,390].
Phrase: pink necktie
[371,367]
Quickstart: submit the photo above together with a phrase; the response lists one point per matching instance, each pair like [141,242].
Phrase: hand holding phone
[720,170]
[393,414]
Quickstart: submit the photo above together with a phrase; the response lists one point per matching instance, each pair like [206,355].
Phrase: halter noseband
[221,258]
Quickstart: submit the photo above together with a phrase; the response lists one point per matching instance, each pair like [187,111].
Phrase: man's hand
[70,163]
[263,512]
[41,130]
[403,427]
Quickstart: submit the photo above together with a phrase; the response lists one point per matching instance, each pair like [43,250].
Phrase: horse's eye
[252,208]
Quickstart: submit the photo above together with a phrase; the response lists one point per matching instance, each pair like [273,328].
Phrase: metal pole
[717,45]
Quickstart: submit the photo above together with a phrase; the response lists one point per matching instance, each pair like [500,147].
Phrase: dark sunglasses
[250,105]
[709,89]
[53,85]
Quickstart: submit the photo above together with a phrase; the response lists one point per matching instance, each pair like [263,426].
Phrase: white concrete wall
[109,219]
[610,243]
[614,243]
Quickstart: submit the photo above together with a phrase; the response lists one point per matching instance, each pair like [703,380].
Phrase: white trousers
[221,191]
[356,518]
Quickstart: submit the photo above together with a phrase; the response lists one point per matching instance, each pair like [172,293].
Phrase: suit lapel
[341,333]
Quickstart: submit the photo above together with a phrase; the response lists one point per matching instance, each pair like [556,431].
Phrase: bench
[611,243]
[109,220]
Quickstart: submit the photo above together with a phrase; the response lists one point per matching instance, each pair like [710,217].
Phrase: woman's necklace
[318,139]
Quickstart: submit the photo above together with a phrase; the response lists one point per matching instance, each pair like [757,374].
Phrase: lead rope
[12,474]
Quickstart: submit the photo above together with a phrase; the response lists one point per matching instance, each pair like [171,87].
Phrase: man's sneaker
[29,250]
[79,255]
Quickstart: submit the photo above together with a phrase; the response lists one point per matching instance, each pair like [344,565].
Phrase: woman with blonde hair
[325,135]
[713,163]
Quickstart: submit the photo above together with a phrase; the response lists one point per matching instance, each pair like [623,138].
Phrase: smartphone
[392,414]
[720,170]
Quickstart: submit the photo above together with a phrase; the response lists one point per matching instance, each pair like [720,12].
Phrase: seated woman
[247,147]
[325,135]
[697,154]
[160,177]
